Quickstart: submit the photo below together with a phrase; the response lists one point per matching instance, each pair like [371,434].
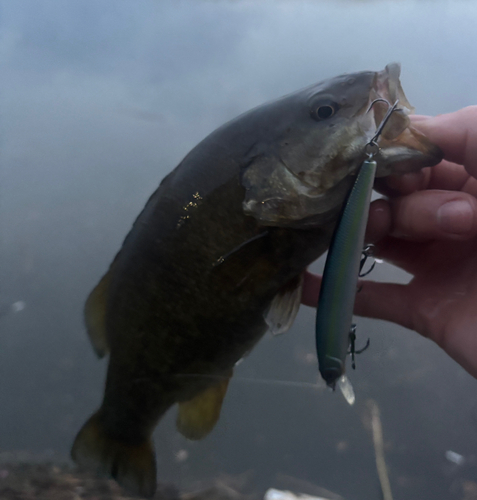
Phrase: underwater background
[99,100]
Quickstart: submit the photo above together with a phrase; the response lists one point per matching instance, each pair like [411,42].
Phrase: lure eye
[324,111]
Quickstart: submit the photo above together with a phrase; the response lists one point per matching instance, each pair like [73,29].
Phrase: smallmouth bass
[217,257]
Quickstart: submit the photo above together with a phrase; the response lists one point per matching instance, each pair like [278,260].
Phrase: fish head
[300,171]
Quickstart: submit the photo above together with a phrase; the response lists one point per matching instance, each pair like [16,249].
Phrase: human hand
[428,227]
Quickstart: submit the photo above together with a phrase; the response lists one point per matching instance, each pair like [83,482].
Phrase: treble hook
[367,252]
[352,346]
[373,142]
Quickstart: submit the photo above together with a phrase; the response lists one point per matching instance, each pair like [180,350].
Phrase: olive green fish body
[217,255]
[197,316]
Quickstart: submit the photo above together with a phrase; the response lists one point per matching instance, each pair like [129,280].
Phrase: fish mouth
[403,148]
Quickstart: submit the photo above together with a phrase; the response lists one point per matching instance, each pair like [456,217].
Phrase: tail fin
[133,466]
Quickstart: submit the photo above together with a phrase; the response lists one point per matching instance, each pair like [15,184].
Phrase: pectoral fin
[198,416]
[95,316]
[284,307]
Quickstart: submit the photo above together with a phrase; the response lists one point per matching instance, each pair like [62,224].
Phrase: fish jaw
[402,148]
[302,176]
[409,152]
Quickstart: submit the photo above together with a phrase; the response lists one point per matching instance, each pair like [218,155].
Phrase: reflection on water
[99,102]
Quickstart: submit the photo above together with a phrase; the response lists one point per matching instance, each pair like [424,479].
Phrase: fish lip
[407,150]
[387,85]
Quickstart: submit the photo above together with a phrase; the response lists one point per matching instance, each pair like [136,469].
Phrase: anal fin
[198,416]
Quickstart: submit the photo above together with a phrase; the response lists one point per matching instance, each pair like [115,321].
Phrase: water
[99,101]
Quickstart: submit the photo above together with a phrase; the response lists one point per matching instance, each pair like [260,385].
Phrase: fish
[217,256]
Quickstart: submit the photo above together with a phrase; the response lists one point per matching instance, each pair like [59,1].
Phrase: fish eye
[323,111]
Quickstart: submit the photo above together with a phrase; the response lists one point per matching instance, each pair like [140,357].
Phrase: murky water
[99,101]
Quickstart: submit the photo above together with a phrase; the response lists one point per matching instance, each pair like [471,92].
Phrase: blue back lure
[334,330]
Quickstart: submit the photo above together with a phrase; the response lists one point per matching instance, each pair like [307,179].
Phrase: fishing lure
[335,333]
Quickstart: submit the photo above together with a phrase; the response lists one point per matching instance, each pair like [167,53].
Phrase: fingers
[379,221]
[447,175]
[387,301]
[407,255]
[470,187]
[408,183]
[436,214]
[456,134]
[311,289]
[425,216]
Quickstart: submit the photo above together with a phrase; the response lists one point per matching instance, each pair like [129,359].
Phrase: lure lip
[334,369]
[331,375]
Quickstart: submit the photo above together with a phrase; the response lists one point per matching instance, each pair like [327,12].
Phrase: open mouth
[388,86]
[385,93]
[402,147]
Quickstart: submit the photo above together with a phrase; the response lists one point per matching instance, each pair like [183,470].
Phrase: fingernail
[456,217]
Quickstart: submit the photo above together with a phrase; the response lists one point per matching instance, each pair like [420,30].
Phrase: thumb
[455,133]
